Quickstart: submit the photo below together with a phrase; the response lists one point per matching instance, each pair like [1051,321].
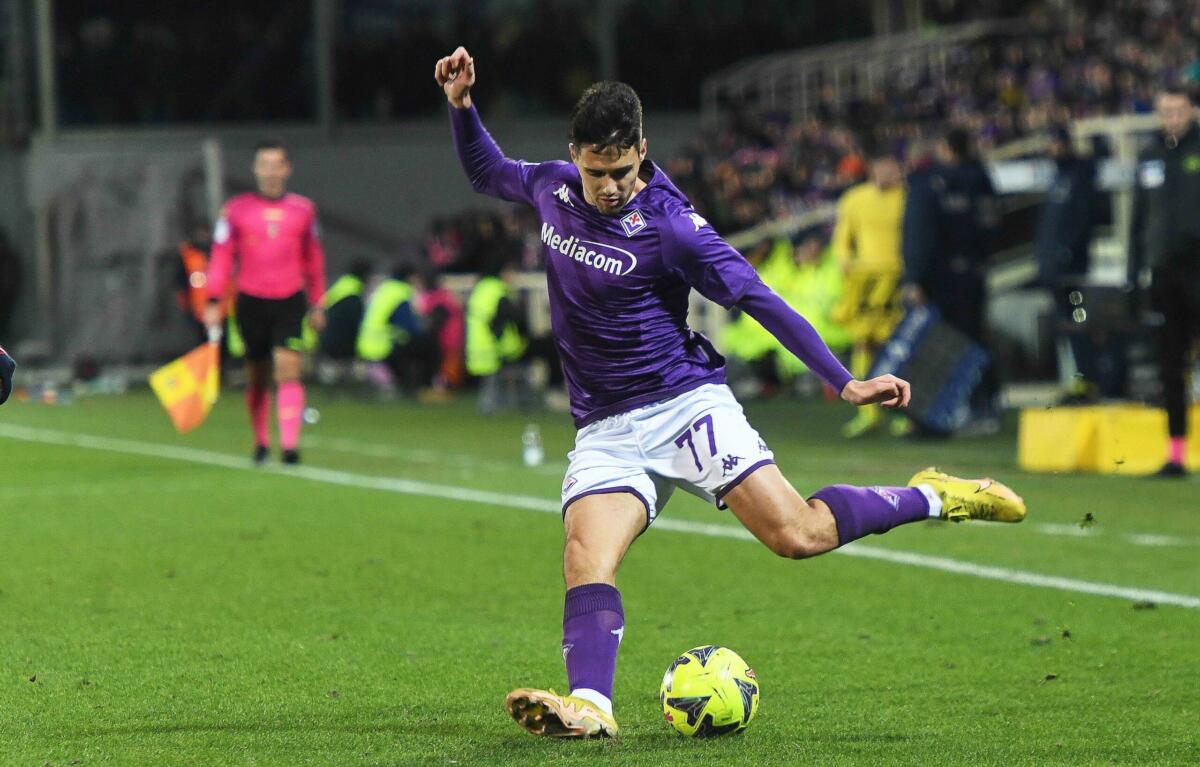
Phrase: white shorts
[699,441]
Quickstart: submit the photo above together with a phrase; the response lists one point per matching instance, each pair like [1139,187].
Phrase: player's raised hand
[886,390]
[456,74]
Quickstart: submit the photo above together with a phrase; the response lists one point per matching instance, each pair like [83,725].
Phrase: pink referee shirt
[273,246]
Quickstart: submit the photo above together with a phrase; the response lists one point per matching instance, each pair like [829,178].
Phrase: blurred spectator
[1062,240]
[444,320]
[191,281]
[866,242]
[1165,248]
[814,289]
[949,219]
[344,309]
[497,339]
[392,333]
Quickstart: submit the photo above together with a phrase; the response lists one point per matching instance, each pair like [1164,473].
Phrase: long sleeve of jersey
[710,265]
[488,170]
[314,264]
[220,262]
[796,334]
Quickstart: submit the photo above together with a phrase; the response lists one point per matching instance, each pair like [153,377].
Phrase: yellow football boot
[544,712]
[984,499]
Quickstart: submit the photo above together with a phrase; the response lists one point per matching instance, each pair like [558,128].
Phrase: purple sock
[593,623]
[860,511]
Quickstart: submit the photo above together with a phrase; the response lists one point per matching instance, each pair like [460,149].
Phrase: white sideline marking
[474,463]
[414,487]
[421,455]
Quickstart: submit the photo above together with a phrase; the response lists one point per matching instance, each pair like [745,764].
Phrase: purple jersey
[619,284]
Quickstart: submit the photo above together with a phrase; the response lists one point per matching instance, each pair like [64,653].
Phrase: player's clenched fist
[456,74]
[886,390]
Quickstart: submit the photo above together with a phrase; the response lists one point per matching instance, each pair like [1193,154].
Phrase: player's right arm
[488,170]
[220,267]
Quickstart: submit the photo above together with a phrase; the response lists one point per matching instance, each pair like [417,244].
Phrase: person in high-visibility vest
[496,339]
[344,309]
[494,328]
[814,289]
[392,332]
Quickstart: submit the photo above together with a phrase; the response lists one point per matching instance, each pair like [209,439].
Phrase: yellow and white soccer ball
[709,691]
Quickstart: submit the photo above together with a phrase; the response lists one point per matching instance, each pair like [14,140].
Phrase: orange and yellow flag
[188,387]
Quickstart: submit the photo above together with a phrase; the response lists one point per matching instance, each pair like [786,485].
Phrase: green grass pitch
[160,608]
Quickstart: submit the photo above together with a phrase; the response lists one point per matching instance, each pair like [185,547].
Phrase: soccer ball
[709,691]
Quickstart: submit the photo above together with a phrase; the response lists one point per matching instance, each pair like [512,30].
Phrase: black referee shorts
[271,323]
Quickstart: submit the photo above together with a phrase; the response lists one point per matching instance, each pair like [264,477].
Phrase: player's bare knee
[797,543]
[583,564]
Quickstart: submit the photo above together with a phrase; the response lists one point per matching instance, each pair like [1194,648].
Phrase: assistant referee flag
[188,386]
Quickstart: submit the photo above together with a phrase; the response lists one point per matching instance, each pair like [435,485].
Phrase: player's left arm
[313,255]
[721,274]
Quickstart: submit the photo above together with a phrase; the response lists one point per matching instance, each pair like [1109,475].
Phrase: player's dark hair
[271,143]
[608,114]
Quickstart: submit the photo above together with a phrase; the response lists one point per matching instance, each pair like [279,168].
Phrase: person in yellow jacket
[496,339]
[392,333]
[344,309]
[866,242]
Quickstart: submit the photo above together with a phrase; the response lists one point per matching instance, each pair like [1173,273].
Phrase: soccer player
[270,238]
[623,249]
[866,241]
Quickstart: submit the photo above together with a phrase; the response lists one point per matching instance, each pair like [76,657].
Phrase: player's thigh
[770,508]
[599,530]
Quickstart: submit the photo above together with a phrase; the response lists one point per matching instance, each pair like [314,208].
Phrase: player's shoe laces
[962,499]
[543,712]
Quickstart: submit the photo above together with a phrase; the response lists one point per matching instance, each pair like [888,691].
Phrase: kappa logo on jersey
[563,193]
[697,220]
[633,222]
[601,255]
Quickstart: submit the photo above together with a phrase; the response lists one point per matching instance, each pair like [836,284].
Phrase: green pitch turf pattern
[156,611]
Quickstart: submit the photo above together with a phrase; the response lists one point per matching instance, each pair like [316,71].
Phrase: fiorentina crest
[633,222]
